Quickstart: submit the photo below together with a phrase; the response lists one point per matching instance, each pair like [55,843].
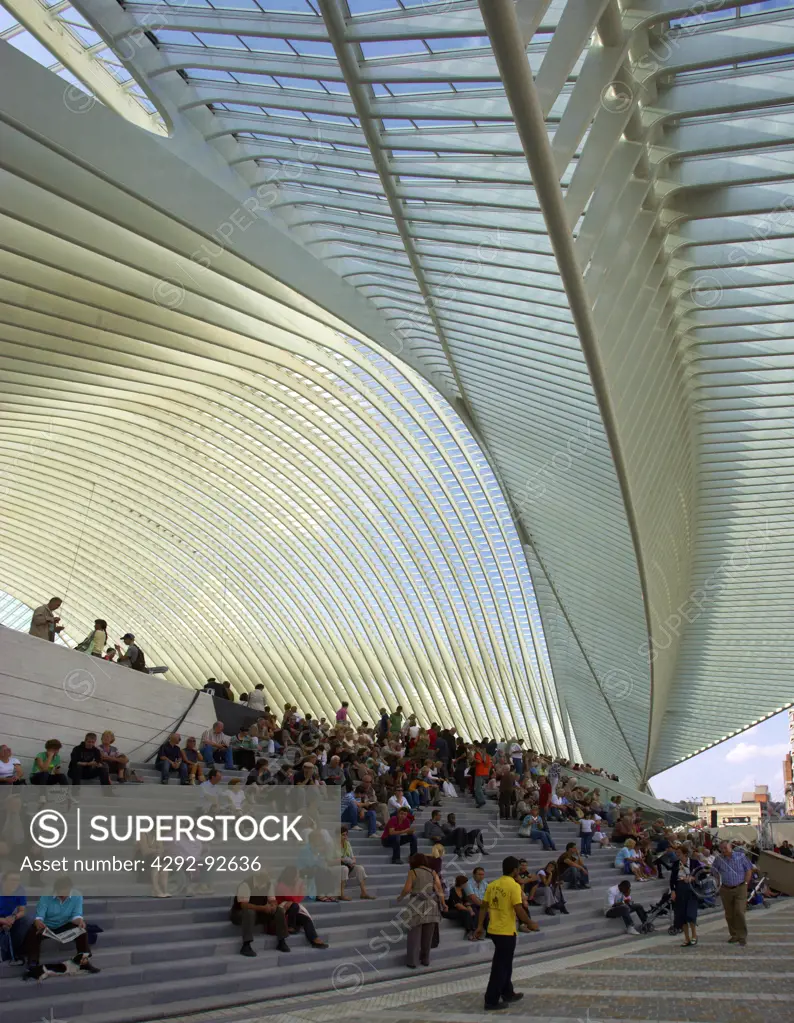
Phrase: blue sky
[753,758]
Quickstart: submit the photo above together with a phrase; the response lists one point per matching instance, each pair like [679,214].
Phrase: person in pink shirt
[341,714]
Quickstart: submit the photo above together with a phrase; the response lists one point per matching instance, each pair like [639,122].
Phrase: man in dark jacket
[86,762]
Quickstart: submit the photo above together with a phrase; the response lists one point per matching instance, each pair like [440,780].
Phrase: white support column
[504,32]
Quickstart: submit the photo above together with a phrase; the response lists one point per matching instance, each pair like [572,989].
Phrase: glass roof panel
[359,7]
[64,19]
[392,48]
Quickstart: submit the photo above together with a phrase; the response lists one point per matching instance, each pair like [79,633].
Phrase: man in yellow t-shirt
[503,902]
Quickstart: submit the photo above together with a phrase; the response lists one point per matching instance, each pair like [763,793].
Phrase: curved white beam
[45,25]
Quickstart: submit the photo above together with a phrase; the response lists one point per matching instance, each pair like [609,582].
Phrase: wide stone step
[135,993]
[163,956]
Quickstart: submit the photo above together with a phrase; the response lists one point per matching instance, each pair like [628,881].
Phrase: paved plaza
[634,979]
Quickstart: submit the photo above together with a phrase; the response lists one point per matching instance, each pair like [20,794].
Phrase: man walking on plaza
[735,871]
[503,902]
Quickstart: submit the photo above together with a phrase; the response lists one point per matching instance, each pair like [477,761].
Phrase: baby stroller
[707,887]
[759,887]
[659,909]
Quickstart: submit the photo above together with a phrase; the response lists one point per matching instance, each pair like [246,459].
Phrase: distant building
[759,795]
[788,781]
[750,811]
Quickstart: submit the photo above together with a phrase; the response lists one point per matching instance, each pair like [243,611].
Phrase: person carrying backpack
[133,657]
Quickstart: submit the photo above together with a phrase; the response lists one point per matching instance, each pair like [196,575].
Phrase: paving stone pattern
[659,981]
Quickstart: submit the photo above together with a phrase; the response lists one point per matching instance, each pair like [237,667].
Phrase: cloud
[746,784]
[745,751]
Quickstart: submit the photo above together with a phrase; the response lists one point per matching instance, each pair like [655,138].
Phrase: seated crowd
[388,773]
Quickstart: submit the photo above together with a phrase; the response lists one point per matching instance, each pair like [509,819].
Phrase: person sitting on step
[528,881]
[399,830]
[169,760]
[210,791]
[290,893]
[435,860]
[628,860]
[353,811]
[13,926]
[369,799]
[459,907]
[349,868]
[116,762]
[193,762]
[473,842]
[397,800]
[234,797]
[86,762]
[47,765]
[475,888]
[534,827]
[572,869]
[244,747]
[619,904]
[549,892]
[260,774]
[255,903]
[216,748]
[435,831]
[60,912]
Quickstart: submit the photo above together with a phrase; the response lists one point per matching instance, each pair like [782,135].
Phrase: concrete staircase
[162,957]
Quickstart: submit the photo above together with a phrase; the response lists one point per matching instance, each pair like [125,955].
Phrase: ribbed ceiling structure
[250,491]
[572,218]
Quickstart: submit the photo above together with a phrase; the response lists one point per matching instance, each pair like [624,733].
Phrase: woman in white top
[599,836]
[235,795]
[10,768]
[99,640]
[398,800]
[256,699]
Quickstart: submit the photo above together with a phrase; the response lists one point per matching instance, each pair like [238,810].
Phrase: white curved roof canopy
[262,497]
[570,217]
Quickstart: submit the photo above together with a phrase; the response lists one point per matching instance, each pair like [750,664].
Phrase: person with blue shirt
[170,760]
[353,811]
[59,912]
[735,871]
[627,860]
[536,829]
[475,888]
[12,916]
